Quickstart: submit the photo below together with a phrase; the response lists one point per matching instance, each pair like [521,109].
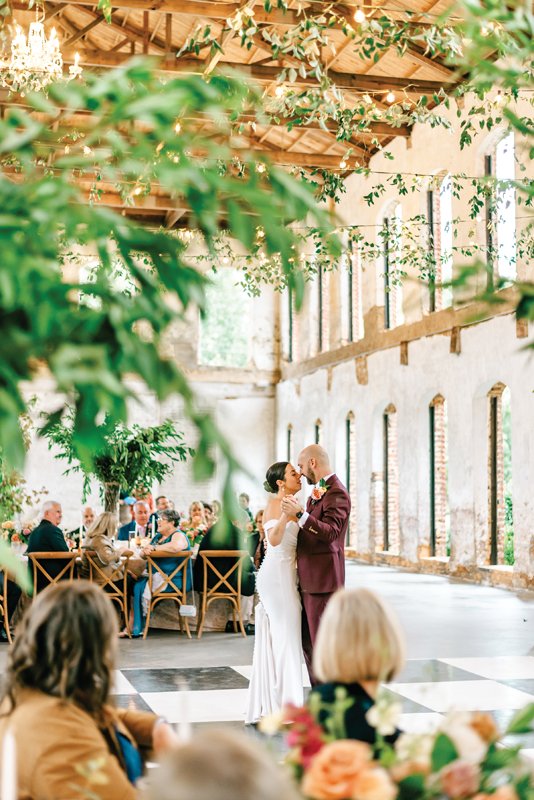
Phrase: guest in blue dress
[171,540]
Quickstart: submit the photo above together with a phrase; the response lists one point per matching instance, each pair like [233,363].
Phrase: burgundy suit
[321,558]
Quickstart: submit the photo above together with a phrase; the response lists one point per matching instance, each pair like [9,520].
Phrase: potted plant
[131,456]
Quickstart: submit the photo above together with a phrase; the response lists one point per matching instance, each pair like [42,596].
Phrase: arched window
[391,235]
[351,294]
[500,503]
[500,216]
[439,496]
[391,482]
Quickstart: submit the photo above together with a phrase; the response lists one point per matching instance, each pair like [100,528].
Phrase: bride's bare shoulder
[273,509]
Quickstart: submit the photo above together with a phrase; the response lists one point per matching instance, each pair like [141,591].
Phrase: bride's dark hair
[276,472]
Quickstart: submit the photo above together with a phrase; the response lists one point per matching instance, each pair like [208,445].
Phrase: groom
[321,542]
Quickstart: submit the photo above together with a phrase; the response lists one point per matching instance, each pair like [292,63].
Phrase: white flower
[384,715]
[415,746]
[271,724]
[469,745]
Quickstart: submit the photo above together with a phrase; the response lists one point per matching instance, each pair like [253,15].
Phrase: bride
[277,663]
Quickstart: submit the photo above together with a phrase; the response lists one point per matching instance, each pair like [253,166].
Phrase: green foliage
[443,752]
[130,458]
[522,721]
[89,349]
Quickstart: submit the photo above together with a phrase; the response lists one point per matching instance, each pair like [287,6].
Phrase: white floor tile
[463,695]
[497,668]
[121,685]
[419,722]
[246,671]
[203,706]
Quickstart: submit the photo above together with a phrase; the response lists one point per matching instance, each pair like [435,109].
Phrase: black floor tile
[195,678]
[408,706]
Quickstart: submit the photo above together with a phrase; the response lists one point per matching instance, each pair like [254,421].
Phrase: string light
[87,150]
[359,16]
[280,91]
[342,164]
[390,97]
[260,168]
[177,128]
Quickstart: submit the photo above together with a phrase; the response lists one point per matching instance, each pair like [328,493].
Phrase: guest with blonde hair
[219,764]
[359,646]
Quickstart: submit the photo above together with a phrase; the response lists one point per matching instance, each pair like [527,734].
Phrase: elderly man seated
[139,525]
[48,537]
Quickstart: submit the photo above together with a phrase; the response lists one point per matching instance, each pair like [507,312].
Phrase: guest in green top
[359,646]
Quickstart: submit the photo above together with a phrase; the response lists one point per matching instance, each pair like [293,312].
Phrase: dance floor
[469,647]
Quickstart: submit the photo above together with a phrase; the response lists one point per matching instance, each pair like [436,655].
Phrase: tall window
[350,473]
[439,216]
[505,208]
[392,254]
[318,432]
[289,443]
[439,503]
[351,302]
[391,529]
[225,326]
[500,504]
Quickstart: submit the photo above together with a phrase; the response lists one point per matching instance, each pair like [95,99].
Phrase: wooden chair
[115,584]
[65,573]
[3,604]
[223,588]
[159,593]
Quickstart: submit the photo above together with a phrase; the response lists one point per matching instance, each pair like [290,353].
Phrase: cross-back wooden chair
[162,585]
[227,584]
[3,603]
[115,584]
[66,573]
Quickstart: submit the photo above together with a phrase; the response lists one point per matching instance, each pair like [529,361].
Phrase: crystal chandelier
[35,60]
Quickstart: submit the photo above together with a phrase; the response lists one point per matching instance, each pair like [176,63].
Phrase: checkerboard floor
[426,688]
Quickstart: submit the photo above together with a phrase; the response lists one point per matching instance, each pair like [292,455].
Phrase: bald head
[314,463]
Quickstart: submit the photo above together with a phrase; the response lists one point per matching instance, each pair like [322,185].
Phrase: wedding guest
[237,769]
[217,508]
[162,503]
[259,555]
[71,743]
[244,502]
[99,539]
[139,524]
[359,646]
[88,517]
[169,539]
[208,514]
[48,537]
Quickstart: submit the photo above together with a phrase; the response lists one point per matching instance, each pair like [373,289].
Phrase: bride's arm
[273,513]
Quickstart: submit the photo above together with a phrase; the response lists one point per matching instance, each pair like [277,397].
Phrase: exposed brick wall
[392,509]
[441,499]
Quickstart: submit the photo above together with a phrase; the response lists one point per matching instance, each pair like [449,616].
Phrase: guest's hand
[148,550]
[163,737]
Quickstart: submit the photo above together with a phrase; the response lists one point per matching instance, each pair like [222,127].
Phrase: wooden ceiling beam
[97,19]
[354,82]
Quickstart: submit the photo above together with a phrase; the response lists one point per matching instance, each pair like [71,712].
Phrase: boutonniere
[319,490]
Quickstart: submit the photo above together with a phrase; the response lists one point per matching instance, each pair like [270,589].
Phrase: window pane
[224,331]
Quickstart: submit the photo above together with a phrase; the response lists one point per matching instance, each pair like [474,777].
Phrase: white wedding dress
[277,663]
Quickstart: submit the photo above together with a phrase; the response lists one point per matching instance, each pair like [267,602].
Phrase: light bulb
[86,151]
[260,168]
[390,97]
[342,163]
[177,128]
[359,16]
[279,91]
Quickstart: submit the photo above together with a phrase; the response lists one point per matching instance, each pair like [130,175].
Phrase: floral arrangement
[319,490]
[194,532]
[17,536]
[464,759]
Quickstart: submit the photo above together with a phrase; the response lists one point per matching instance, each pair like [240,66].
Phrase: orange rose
[373,784]
[334,769]
[506,792]
[413,767]
[484,724]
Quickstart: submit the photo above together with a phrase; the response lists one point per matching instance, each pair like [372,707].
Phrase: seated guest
[71,743]
[170,540]
[47,537]
[209,516]
[162,504]
[235,539]
[244,502]
[236,769]
[359,645]
[216,508]
[88,517]
[138,526]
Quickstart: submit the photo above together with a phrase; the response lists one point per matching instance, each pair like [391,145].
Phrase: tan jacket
[106,556]
[58,745]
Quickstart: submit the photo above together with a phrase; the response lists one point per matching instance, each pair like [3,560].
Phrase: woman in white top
[277,663]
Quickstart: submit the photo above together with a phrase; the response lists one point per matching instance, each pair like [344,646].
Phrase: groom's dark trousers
[321,559]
